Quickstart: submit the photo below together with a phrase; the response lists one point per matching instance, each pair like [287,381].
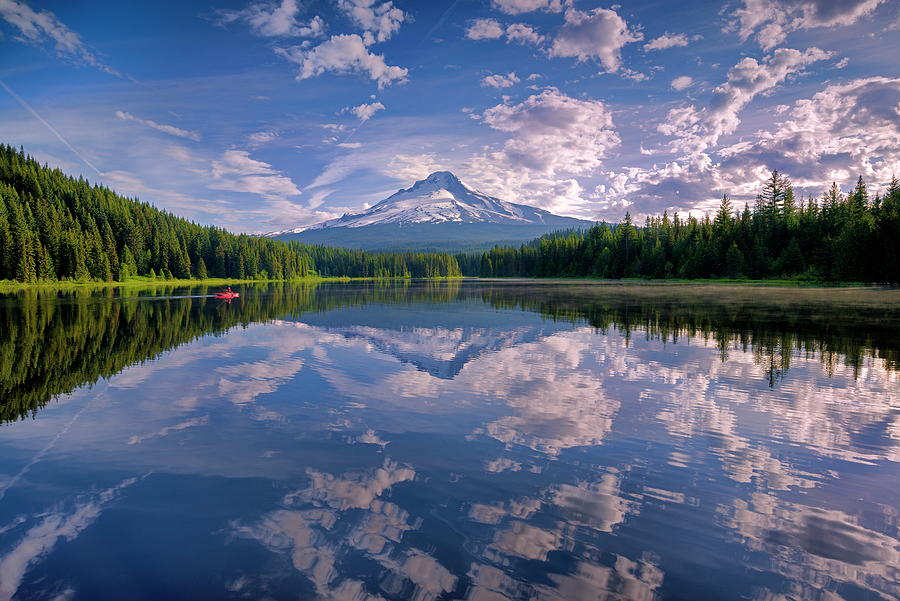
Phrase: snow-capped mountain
[441,198]
[439,210]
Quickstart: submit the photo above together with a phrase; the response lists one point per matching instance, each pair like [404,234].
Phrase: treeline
[55,227]
[357,263]
[840,237]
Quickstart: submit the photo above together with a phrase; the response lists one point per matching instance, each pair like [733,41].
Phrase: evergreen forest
[852,237]
[54,227]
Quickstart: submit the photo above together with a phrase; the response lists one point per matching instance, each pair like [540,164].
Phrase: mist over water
[451,440]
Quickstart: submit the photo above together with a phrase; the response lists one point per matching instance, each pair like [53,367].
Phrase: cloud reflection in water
[403,450]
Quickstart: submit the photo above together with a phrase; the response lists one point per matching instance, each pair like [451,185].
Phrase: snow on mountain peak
[443,198]
[442,178]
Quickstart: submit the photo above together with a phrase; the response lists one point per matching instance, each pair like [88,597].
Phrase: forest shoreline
[771,283]
[11,286]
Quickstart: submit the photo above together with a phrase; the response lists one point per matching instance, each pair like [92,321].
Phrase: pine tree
[26,270]
[791,260]
[127,266]
[45,268]
[734,261]
[183,264]
[200,270]
[771,199]
[725,214]
[859,199]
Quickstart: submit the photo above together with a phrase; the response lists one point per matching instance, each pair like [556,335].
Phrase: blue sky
[259,116]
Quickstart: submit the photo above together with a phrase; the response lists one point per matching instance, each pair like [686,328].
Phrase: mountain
[436,213]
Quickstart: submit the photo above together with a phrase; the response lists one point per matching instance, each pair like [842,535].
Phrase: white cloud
[378,21]
[262,137]
[127,183]
[516,7]
[667,40]
[237,172]
[564,196]
[841,132]
[238,162]
[772,20]
[842,63]
[552,132]
[552,137]
[179,153]
[318,197]
[484,29]
[275,20]
[598,34]
[696,129]
[340,168]
[848,128]
[682,82]
[634,75]
[366,111]
[38,27]
[491,29]
[343,54]
[269,187]
[413,167]
[523,34]
[166,129]
[500,81]
[282,214]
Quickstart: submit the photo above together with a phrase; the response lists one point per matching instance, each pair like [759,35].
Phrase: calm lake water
[451,440]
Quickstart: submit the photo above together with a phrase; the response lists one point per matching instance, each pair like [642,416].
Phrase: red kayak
[228,295]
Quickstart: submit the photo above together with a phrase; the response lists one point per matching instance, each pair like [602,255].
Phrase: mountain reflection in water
[451,440]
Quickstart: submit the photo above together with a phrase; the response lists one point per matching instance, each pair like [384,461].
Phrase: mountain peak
[443,198]
[442,178]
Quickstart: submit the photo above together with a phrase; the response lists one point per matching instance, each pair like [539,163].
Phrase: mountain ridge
[441,198]
[438,213]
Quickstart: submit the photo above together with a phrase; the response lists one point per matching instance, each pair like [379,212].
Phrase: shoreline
[8,287]
[697,282]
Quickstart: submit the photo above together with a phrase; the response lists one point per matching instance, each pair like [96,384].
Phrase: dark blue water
[446,441]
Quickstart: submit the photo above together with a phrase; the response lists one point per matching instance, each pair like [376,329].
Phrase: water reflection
[452,441]
[814,547]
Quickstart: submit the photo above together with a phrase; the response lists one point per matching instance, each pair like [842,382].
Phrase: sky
[260,116]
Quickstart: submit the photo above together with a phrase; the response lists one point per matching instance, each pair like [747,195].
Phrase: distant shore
[781,283]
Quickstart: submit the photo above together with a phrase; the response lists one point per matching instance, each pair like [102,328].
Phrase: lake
[486,441]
